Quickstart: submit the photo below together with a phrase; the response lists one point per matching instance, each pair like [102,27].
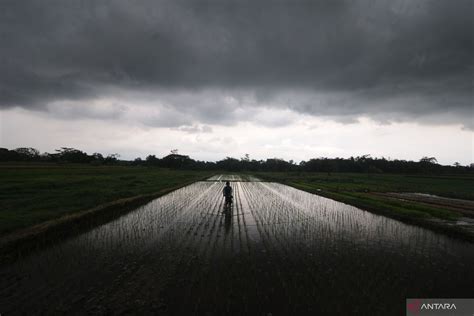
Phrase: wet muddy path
[280,251]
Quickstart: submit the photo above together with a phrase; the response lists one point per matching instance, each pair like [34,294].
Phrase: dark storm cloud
[333,58]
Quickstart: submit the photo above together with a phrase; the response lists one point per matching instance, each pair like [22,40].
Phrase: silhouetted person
[227,192]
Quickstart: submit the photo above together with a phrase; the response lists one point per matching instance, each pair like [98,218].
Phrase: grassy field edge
[20,242]
[411,217]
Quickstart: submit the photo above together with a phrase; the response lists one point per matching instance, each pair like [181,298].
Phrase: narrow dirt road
[280,251]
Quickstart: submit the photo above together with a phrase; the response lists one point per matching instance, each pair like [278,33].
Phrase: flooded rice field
[279,251]
[233,177]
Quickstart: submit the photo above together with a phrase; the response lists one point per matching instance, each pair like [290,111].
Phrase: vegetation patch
[361,191]
[32,194]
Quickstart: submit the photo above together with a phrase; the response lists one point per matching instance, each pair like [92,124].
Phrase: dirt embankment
[464,207]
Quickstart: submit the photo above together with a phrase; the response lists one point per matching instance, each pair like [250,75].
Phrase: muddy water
[279,251]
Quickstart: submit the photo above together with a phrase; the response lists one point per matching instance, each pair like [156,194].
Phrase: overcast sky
[288,79]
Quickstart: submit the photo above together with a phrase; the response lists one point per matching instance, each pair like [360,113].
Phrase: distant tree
[277,164]
[111,159]
[230,164]
[363,158]
[174,151]
[428,160]
[97,159]
[27,153]
[176,161]
[457,164]
[8,155]
[68,154]
[46,157]
[151,160]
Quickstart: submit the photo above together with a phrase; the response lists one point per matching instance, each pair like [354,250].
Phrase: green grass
[357,189]
[33,193]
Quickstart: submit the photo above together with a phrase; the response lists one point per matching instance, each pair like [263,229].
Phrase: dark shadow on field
[228,219]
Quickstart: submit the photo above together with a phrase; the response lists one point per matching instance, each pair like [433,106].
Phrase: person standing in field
[227,192]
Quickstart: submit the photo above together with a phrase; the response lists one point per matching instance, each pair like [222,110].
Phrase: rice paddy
[278,250]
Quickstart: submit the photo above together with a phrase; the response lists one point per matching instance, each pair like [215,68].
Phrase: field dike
[19,243]
[438,225]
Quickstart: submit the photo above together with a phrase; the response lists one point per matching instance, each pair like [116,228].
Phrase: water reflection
[228,218]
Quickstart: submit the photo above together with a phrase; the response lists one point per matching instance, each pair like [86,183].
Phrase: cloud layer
[209,62]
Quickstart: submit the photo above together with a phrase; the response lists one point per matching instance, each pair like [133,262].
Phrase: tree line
[62,155]
[359,164]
